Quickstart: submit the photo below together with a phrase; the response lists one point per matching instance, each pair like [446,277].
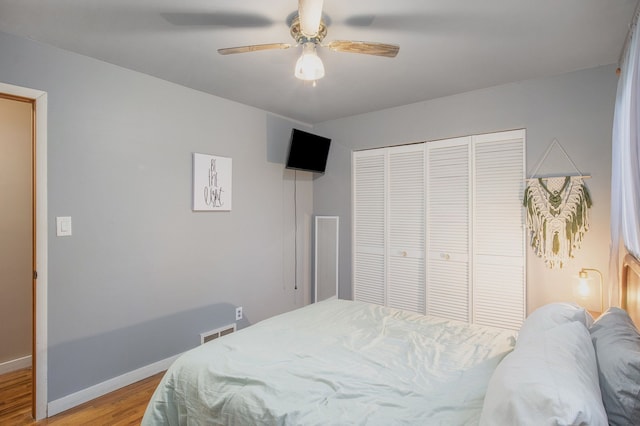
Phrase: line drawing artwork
[211,183]
[213,192]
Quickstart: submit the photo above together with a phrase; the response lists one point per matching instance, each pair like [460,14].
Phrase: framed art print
[211,183]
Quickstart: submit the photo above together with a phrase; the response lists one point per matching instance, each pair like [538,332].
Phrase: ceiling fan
[308,29]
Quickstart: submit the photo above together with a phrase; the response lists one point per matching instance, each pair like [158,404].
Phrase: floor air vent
[208,336]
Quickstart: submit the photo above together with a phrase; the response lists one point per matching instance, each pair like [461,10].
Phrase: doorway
[37,102]
[16,227]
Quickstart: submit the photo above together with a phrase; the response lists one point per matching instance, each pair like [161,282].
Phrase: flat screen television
[308,151]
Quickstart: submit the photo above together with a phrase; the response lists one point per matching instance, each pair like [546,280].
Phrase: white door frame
[40,296]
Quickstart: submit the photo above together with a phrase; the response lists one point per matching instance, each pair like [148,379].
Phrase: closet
[438,228]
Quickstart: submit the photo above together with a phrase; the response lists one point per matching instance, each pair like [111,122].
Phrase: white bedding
[335,362]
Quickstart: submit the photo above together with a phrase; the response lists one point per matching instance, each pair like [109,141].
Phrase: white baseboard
[95,391]
[15,364]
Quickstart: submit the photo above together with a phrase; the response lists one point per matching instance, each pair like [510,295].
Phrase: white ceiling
[446,46]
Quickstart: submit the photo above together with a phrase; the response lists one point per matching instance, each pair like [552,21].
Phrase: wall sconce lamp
[584,289]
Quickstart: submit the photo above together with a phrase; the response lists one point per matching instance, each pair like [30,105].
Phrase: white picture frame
[211,183]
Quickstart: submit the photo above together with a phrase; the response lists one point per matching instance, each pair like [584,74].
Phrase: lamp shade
[584,287]
[309,66]
[587,290]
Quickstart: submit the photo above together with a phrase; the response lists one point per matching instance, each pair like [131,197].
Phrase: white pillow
[549,379]
[617,344]
[552,315]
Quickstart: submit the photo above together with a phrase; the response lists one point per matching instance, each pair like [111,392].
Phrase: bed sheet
[336,362]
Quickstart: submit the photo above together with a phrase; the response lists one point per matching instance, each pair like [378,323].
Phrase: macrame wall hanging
[557,213]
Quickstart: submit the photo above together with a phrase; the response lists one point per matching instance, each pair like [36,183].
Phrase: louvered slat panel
[369,226]
[447,220]
[499,296]
[499,185]
[448,290]
[498,231]
[406,198]
[448,193]
[406,285]
[369,200]
[369,278]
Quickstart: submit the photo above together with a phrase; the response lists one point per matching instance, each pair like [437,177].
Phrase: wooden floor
[123,407]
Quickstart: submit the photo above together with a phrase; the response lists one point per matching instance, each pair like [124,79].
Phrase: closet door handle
[403,253]
[445,256]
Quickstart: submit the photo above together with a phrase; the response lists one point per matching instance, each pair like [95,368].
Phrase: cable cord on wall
[295,229]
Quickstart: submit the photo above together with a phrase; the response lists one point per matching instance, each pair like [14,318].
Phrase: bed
[335,362]
[349,363]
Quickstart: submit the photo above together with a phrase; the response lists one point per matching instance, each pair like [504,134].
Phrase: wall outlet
[238,313]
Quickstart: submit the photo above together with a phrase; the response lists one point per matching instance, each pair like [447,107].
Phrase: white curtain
[625,178]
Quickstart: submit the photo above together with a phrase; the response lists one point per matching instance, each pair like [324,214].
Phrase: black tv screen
[308,151]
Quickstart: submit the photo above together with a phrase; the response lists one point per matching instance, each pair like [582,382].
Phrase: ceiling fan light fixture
[308,29]
[309,66]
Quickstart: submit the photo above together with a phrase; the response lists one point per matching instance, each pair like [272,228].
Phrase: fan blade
[253,48]
[368,48]
[310,13]
[217,19]
[360,20]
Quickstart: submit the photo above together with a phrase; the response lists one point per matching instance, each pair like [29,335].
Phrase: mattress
[335,362]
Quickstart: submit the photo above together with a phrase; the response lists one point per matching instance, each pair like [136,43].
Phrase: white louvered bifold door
[448,228]
[498,229]
[368,179]
[406,228]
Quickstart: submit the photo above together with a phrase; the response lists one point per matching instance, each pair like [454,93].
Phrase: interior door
[368,238]
[448,224]
[406,228]
[499,229]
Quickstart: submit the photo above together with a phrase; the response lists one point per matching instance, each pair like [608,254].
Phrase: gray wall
[142,275]
[575,108]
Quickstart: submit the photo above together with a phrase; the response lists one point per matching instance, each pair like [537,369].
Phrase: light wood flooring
[123,407]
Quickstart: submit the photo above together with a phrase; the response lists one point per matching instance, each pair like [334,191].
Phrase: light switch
[63,226]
